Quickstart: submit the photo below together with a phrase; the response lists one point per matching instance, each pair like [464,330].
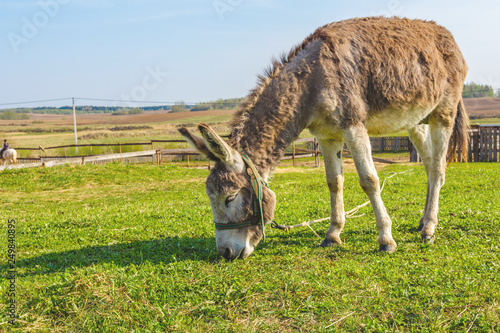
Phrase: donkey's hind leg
[420,136]
[358,141]
[332,155]
[440,127]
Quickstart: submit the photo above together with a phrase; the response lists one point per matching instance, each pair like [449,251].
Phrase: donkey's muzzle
[228,252]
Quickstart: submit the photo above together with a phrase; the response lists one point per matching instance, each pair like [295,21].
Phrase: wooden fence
[390,144]
[484,144]
[119,145]
[300,148]
[154,155]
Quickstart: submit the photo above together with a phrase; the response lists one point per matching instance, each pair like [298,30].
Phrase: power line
[118,101]
[124,101]
[151,102]
[40,101]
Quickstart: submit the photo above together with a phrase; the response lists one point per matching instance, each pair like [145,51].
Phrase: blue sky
[193,50]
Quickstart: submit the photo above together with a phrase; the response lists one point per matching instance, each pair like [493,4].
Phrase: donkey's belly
[394,120]
[380,123]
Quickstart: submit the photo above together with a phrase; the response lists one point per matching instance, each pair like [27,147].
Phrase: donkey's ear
[197,143]
[219,147]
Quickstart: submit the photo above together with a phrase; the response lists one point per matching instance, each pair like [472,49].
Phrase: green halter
[257,185]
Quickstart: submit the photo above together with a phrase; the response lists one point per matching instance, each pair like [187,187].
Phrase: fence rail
[155,155]
[150,143]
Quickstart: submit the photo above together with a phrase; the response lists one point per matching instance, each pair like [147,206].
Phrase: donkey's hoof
[327,242]
[389,248]
[429,239]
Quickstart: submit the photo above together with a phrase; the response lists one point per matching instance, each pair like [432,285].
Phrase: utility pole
[74,123]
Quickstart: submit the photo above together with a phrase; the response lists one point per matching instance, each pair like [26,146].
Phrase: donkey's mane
[263,80]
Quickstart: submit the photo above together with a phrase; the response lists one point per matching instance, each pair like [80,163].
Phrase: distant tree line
[179,107]
[13,116]
[220,104]
[479,90]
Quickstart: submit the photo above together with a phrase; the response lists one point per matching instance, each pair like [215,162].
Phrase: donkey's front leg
[358,141]
[332,154]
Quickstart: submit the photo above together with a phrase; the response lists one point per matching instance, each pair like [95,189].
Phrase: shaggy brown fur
[369,64]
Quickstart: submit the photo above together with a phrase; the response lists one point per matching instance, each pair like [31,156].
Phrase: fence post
[476,145]
[293,154]
[158,157]
[490,144]
[316,152]
[496,131]
[414,157]
[481,146]
[469,146]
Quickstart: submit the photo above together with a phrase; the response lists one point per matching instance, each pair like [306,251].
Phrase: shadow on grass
[161,251]
[165,250]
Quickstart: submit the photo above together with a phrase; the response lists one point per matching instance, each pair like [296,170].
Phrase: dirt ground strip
[148,117]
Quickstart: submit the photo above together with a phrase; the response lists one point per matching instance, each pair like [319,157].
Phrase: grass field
[122,248]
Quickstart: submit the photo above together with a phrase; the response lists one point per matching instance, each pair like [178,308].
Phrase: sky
[122,52]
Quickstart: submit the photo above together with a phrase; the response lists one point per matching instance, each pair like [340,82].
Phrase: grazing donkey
[348,80]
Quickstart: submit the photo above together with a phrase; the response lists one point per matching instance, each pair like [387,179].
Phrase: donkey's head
[235,206]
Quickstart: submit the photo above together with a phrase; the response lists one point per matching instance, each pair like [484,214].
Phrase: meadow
[131,248]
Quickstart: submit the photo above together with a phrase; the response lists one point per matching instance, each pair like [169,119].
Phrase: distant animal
[345,82]
[10,156]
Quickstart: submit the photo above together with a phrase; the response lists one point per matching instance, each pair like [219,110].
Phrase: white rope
[349,214]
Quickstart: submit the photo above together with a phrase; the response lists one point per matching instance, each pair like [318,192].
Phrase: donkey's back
[388,74]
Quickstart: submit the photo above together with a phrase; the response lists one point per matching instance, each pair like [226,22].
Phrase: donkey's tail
[459,140]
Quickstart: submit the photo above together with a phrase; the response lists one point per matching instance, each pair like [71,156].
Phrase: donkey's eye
[230,198]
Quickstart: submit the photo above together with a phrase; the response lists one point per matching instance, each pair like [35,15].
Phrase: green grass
[485,121]
[121,248]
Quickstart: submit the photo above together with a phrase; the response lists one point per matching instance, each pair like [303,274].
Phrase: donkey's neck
[272,125]
[279,108]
